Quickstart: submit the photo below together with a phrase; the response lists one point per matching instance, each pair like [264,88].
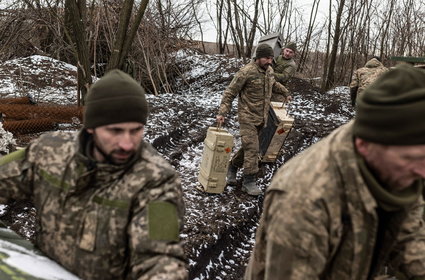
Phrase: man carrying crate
[351,206]
[254,85]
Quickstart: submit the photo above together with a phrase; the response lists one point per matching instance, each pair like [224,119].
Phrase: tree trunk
[125,15]
[75,15]
[132,34]
[306,47]
[330,79]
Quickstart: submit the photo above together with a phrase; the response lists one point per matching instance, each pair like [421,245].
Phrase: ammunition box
[215,160]
[272,137]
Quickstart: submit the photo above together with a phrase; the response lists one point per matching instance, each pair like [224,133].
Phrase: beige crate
[281,128]
[215,160]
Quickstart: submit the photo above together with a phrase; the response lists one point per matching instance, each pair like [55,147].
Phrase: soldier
[285,66]
[109,206]
[254,85]
[365,76]
[350,206]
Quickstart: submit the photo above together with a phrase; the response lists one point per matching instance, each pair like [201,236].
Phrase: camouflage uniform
[366,75]
[320,222]
[284,69]
[98,220]
[254,87]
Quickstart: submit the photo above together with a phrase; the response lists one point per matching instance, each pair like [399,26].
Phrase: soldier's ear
[90,130]
[362,146]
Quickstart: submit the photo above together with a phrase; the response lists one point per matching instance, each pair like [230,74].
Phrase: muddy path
[219,229]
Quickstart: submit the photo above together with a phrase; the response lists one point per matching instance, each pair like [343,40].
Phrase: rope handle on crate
[218,125]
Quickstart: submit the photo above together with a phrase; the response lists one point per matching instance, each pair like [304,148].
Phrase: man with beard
[109,206]
[254,85]
[351,205]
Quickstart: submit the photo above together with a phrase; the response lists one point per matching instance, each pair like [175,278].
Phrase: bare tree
[310,28]
[222,31]
[251,31]
[126,33]
[235,22]
[101,34]
[75,27]
[330,76]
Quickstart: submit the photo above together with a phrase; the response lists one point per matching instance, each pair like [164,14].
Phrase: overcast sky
[304,6]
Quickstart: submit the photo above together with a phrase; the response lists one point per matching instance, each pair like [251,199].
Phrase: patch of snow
[6,139]
[3,207]
[339,90]
[45,79]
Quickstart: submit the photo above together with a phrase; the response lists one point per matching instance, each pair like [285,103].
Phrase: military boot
[250,185]
[231,175]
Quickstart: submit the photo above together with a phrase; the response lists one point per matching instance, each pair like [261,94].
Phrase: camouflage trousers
[247,155]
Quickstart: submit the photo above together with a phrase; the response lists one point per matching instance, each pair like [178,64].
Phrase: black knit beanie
[264,50]
[391,111]
[115,98]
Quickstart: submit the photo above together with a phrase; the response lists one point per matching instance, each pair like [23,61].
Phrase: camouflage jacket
[284,69]
[255,87]
[100,221]
[366,75]
[319,221]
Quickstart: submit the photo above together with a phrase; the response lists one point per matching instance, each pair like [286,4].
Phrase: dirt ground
[218,242]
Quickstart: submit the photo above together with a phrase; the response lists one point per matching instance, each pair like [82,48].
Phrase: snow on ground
[37,76]
[2,209]
[219,230]
[6,140]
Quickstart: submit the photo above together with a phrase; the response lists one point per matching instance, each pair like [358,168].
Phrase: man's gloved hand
[288,98]
[220,119]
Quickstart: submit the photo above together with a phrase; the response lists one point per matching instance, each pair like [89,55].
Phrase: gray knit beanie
[115,98]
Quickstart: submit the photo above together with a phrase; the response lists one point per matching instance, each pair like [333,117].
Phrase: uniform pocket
[88,233]
[113,219]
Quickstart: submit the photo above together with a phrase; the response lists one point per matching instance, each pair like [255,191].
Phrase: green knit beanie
[292,46]
[264,50]
[391,111]
[115,98]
